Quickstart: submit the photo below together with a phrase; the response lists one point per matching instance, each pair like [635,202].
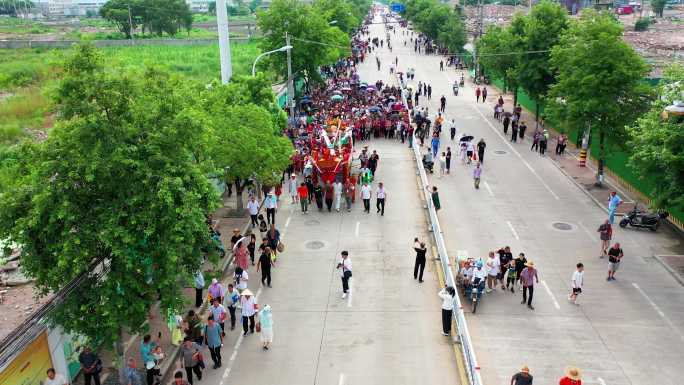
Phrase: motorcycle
[474,292]
[637,218]
[428,163]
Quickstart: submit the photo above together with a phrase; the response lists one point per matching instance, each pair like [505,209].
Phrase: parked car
[624,10]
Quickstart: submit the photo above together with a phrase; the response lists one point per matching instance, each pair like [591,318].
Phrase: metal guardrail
[471,366]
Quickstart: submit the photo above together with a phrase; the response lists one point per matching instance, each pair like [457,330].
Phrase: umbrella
[374,109]
[410,87]
[507,114]
[391,98]
[467,138]
[399,72]
[397,106]
[239,242]
[336,98]
[346,89]
[370,88]
[363,86]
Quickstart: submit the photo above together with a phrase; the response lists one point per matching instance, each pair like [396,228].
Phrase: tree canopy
[315,42]
[156,16]
[438,21]
[599,78]
[119,180]
[499,53]
[658,144]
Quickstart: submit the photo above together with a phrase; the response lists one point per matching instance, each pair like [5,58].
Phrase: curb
[670,270]
[584,190]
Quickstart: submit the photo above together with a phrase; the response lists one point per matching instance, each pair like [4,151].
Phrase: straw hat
[529,264]
[246,292]
[573,373]
[525,369]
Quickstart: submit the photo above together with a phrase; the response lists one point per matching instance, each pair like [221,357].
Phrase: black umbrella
[467,138]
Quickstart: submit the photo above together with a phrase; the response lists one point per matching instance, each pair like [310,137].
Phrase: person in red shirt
[303,193]
[573,376]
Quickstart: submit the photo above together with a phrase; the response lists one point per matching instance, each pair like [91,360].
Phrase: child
[512,275]
[263,227]
[158,356]
[577,282]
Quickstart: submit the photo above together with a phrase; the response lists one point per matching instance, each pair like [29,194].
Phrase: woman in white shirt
[345,267]
[241,277]
[249,308]
[493,268]
[447,295]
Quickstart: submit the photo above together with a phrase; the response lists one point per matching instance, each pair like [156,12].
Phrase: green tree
[314,41]
[599,80]
[116,11]
[337,12]
[121,180]
[499,52]
[258,155]
[658,7]
[438,21]
[155,16]
[657,144]
[541,31]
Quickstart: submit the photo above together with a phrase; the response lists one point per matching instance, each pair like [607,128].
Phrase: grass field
[26,75]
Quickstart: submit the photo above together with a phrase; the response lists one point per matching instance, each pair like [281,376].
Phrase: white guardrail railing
[471,366]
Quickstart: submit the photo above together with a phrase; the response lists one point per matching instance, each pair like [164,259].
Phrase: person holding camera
[346,271]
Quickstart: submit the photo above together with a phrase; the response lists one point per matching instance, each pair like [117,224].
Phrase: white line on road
[341,381]
[233,356]
[356,231]
[515,233]
[591,235]
[516,153]
[600,380]
[489,189]
[350,292]
[660,312]
[287,222]
[553,298]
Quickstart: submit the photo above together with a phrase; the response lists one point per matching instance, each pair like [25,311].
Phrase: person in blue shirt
[613,202]
[146,348]
[213,338]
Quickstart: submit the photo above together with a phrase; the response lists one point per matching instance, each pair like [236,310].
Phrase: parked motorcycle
[637,218]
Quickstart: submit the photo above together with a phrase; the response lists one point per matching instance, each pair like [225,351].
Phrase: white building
[198,6]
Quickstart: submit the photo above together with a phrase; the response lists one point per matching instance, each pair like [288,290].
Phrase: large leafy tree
[248,141]
[337,12]
[315,42]
[438,21]
[499,53]
[657,144]
[599,80]
[542,30]
[155,16]
[121,180]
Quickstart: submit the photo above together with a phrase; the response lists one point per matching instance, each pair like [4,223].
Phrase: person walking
[442,103]
[265,263]
[615,255]
[303,193]
[506,121]
[441,161]
[543,141]
[573,376]
[219,313]
[429,92]
[213,338]
[249,308]
[271,205]
[434,195]
[329,195]
[441,65]
[481,145]
[178,379]
[337,190]
[273,237]
[514,132]
[520,262]
[521,130]
[230,301]
[91,365]
[345,266]
[348,192]
[536,137]
[528,277]
[199,288]
[129,375]
[447,159]
[366,196]
[216,290]
[478,92]
[447,295]
[577,283]
[253,208]
[523,377]
[419,266]
[381,195]
[484,94]
[452,129]
[146,348]
[190,359]
[266,326]
[493,268]
[477,173]
[606,234]
[614,202]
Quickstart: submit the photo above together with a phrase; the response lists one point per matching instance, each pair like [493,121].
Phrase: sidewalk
[157,321]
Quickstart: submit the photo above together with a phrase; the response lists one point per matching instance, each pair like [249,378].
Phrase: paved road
[387,331]
[630,331]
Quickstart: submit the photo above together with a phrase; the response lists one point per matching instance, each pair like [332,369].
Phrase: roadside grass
[24,110]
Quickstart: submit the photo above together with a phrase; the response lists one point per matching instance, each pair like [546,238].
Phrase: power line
[320,43]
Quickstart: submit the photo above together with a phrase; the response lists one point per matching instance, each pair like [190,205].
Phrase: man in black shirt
[418,268]
[91,365]
[481,145]
[505,256]
[523,377]
[373,162]
[264,264]
[614,257]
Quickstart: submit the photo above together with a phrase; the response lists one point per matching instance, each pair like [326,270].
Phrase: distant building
[90,6]
[198,6]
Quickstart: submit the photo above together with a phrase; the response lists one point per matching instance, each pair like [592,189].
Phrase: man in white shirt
[381,194]
[337,189]
[366,196]
[271,205]
[577,283]
[54,379]
[493,267]
[345,266]
[479,273]
[253,208]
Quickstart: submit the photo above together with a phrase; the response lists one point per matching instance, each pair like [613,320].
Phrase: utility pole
[130,24]
[478,34]
[290,80]
[224,41]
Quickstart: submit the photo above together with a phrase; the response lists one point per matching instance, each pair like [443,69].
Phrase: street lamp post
[281,49]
